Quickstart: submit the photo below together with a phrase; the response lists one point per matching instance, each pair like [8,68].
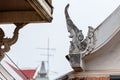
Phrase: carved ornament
[6,43]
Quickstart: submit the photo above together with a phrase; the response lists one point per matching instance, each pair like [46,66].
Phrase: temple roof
[29,73]
[43,70]
[106,34]
[19,72]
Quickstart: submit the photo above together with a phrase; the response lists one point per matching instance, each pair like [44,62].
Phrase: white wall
[106,30]
[4,74]
[109,59]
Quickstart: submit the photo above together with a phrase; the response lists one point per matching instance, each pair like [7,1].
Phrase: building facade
[96,56]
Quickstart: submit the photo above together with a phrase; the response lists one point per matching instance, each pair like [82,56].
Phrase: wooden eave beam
[41,10]
[20,17]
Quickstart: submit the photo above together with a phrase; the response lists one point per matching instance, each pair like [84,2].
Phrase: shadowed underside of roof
[25,11]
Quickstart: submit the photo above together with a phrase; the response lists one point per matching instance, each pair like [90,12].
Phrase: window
[114,77]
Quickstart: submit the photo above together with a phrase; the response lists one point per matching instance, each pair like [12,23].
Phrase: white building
[42,74]
[100,57]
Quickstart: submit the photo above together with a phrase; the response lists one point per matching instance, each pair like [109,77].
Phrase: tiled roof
[25,74]
[18,71]
[29,73]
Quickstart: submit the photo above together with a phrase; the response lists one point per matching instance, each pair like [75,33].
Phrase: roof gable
[29,73]
[19,72]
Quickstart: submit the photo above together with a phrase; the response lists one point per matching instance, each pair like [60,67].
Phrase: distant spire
[43,72]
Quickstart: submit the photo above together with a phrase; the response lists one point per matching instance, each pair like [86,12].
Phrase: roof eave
[42,8]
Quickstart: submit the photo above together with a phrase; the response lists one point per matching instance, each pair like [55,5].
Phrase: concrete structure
[100,55]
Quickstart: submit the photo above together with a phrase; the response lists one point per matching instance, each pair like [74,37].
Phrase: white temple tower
[42,74]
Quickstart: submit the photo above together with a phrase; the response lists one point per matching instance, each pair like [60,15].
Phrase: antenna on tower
[48,55]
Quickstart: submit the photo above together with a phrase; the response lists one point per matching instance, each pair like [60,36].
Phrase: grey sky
[84,13]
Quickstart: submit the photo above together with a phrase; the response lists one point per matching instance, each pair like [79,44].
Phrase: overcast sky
[84,13]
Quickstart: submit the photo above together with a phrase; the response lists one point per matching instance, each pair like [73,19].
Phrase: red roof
[29,73]
[17,71]
[25,74]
